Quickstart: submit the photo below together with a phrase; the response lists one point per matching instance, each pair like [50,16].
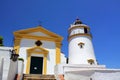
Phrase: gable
[38,33]
[37,49]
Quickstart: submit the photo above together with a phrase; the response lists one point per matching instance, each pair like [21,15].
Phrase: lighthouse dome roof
[78,23]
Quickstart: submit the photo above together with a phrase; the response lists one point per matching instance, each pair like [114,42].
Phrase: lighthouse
[82,64]
[80,45]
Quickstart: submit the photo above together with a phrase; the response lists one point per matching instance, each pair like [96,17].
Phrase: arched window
[91,61]
[81,44]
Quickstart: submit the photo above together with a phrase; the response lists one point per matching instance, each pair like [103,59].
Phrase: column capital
[58,44]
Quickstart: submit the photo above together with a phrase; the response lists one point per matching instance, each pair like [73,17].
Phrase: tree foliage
[1,41]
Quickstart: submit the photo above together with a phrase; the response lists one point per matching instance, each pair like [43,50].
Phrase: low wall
[1,67]
[85,72]
[93,75]
[12,70]
[20,70]
[6,65]
[15,70]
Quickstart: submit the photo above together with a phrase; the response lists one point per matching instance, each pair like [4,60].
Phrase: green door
[36,66]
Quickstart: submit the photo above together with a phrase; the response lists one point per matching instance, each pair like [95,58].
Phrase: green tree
[1,41]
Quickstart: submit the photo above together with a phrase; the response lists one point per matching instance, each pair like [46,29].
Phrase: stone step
[38,77]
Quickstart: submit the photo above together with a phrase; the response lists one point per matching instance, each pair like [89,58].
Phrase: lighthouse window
[81,44]
[91,61]
[85,30]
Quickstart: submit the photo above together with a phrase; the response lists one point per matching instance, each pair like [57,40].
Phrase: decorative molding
[81,44]
[42,51]
[39,37]
[79,34]
[76,27]
[37,29]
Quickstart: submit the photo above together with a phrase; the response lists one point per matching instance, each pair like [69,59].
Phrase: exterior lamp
[14,56]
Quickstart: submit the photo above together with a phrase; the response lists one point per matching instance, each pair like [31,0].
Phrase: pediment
[37,32]
[37,49]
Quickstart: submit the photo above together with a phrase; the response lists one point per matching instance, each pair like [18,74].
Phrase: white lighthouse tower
[81,50]
[82,64]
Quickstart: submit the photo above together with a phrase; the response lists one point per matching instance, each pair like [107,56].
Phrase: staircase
[38,77]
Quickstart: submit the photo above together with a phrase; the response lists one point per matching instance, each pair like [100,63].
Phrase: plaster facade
[49,49]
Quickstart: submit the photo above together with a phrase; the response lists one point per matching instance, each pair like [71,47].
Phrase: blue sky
[103,17]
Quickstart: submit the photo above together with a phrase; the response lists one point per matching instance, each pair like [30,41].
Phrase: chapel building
[40,49]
